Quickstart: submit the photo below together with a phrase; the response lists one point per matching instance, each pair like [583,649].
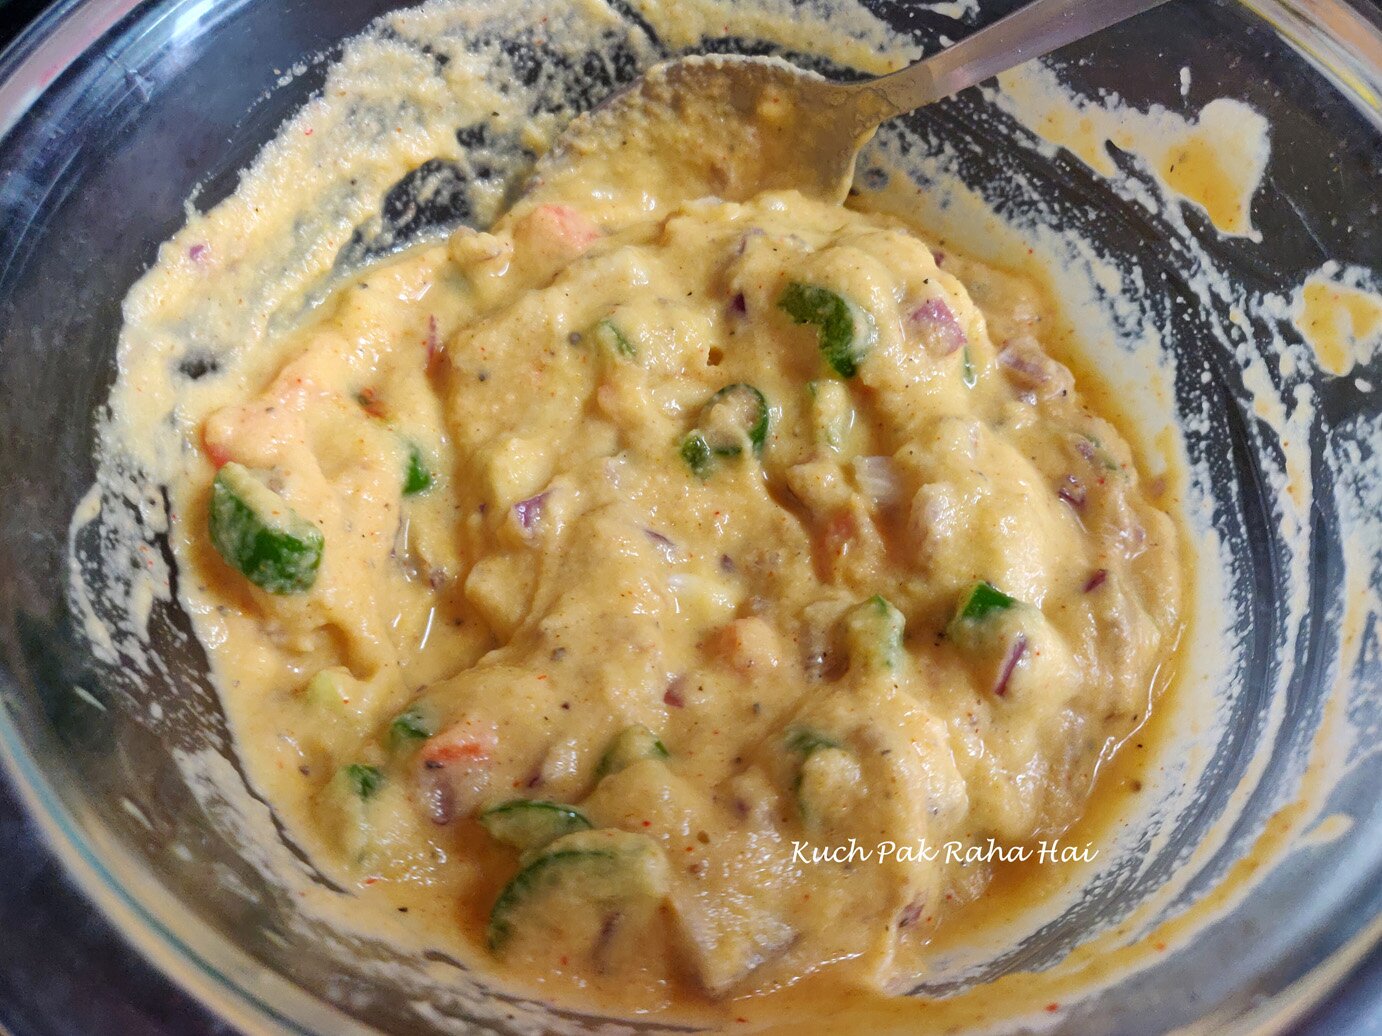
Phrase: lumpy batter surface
[705,535]
[567,583]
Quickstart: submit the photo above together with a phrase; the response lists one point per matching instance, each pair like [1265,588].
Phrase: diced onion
[879,480]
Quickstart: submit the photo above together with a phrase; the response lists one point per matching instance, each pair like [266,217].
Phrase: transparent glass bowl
[112,114]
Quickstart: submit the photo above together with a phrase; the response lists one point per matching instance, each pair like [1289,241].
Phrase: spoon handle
[1029,32]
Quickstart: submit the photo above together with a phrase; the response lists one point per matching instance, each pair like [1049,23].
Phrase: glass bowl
[113,114]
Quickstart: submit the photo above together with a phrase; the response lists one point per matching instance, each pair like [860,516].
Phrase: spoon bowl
[730,126]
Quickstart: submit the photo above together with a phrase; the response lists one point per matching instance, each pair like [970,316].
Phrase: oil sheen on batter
[560,579]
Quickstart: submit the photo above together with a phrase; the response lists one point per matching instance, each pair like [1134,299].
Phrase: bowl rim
[1342,39]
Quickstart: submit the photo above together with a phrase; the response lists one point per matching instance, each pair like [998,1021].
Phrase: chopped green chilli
[981,601]
[632,744]
[697,454]
[873,631]
[258,534]
[736,415]
[581,877]
[364,780]
[847,331]
[1096,452]
[411,725]
[804,741]
[967,373]
[328,690]
[607,333]
[825,784]
[821,757]
[532,823]
[417,479]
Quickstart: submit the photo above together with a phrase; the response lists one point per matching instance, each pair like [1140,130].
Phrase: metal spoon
[733,126]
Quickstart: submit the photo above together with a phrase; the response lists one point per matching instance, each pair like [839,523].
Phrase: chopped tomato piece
[462,742]
[436,350]
[216,451]
[833,542]
[369,401]
[554,235]
[450,753]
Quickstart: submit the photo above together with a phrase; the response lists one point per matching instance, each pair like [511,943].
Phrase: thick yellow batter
[915,596]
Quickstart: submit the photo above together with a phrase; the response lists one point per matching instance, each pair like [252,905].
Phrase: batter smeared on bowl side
[568,582]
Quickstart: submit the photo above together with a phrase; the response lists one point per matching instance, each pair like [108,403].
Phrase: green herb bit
[982,601]
[364,780]
[416,479]
[607,333]
[411,725]
[804,741]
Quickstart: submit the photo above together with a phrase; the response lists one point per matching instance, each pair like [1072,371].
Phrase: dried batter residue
[1339,317]
[1214,161]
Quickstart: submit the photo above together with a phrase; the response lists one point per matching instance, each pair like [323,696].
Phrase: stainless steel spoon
[732,126]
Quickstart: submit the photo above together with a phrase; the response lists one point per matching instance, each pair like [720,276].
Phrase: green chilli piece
[417,479]
[873,632]
[327,690]
[631,745]
[364,780]
[259,535]
[696,452]
[532,823]
[607,333]
[981,601]
[825,784]
[847,331]
[804,741]
[967,372]
[813,745]
[410,725]
[584,873]
[1100,454]
[735,414]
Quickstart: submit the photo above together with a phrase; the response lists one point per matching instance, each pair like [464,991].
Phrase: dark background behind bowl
[64,971]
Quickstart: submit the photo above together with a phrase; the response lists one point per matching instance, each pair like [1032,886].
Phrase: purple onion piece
[434,346]
[879,480]
[1023,369]
[529,511]
[198,252]
[1005,672]
[749,234]
[1096,580]
[938,323]
[1073,492]
[672,696]
[609,927]
[738,305]
[911,913]
[667,548]
[440,799]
